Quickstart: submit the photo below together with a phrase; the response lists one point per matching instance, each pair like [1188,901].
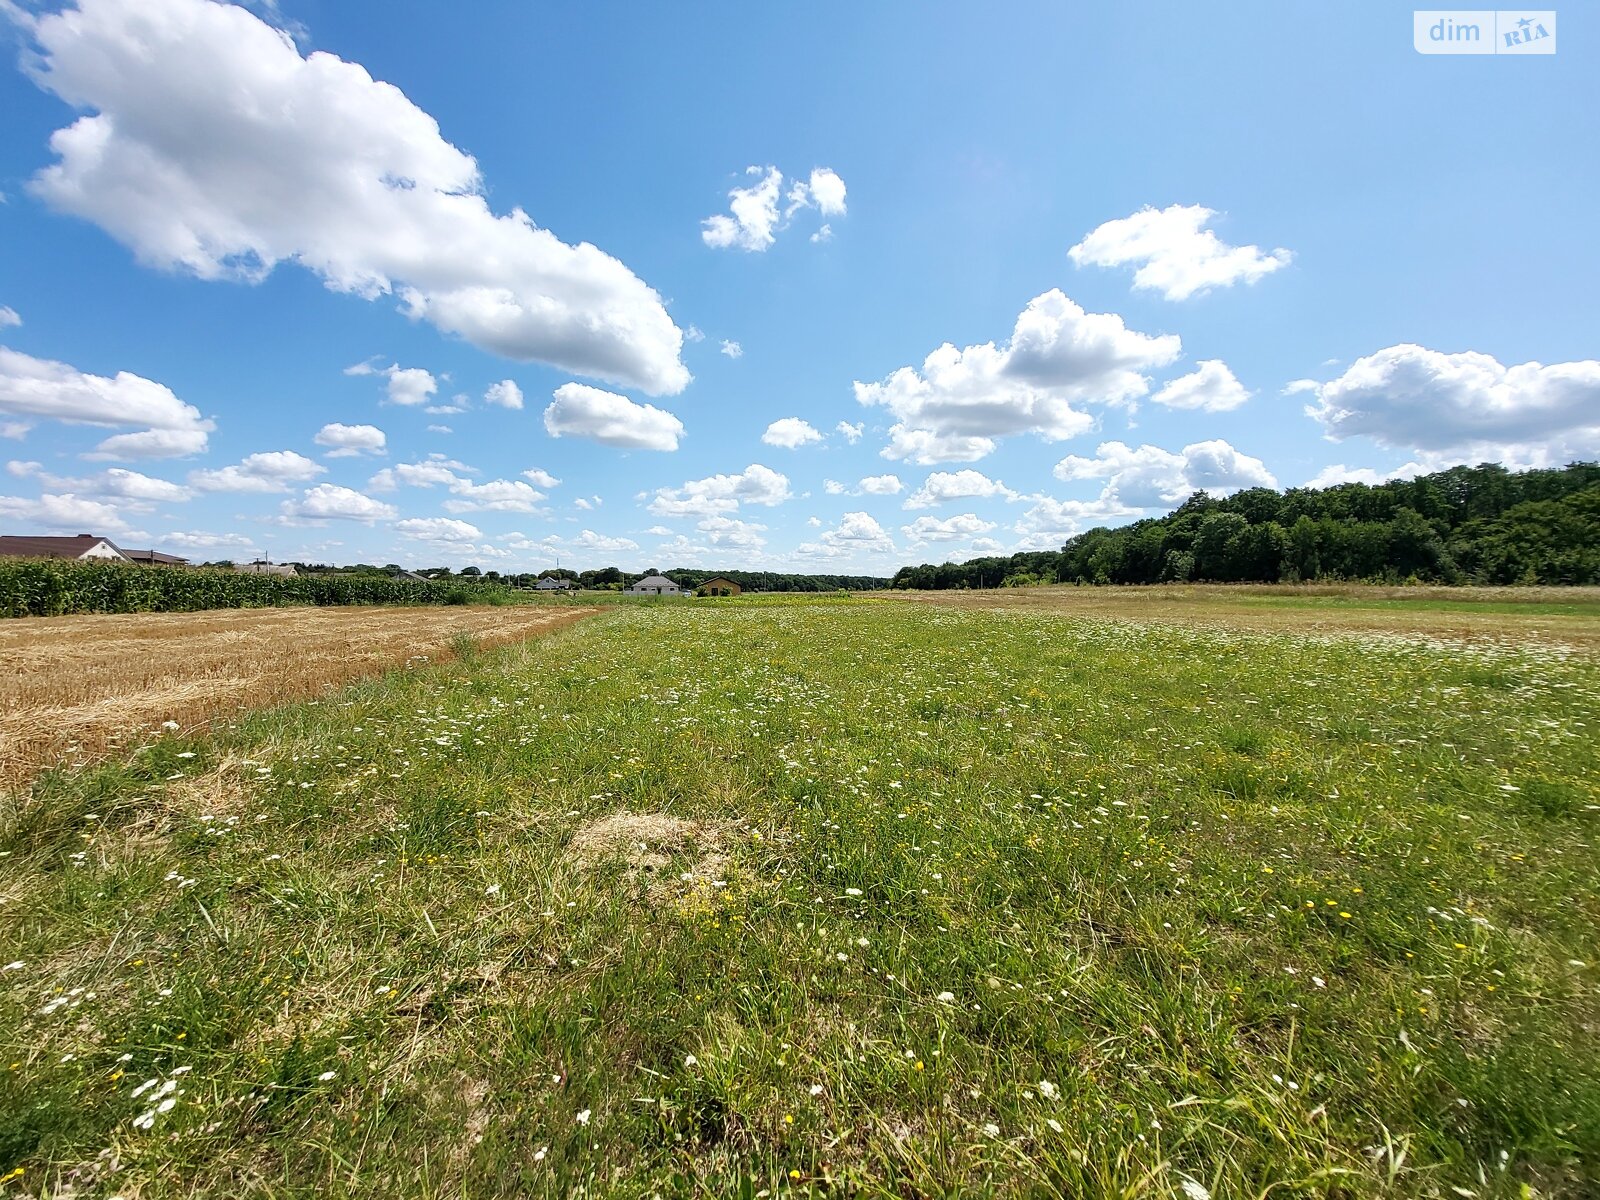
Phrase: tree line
[1466,525]
[614,578]
[750,581]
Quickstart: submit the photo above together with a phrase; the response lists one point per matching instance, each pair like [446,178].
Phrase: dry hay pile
[647,845]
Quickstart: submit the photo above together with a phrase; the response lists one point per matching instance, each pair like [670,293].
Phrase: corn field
[57,587]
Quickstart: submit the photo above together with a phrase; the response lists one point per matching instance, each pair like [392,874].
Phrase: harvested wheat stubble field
[77,687]
[831,898]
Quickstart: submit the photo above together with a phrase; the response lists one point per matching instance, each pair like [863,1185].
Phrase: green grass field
[844,898]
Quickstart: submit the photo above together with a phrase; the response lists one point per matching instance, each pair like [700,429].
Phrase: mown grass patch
[837,898]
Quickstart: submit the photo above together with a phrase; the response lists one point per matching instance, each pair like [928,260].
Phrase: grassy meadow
[831,898]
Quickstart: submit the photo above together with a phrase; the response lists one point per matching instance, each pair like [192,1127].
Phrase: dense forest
[1482,524]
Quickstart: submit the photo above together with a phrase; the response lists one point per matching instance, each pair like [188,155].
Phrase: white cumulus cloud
[437,529]
[1466,407]
[497,495]
[752,214]
[63,513]
[591,541]
[350,441]
[39,387]
[505,394]
[951,529]
[271,471]
[753,219]
[1150,477]
[1210,388]
[8,317]
[408,386]
[732,532]
[612,420]
[199,539]
[791,433]
[964,484]
[1336,473]
[857,534]
[152,443]
[417,474]
[961,401]
[1050,522]
[329,501]
[211,145]
[139,490]
[824,189]
[1174,253]
[715,494]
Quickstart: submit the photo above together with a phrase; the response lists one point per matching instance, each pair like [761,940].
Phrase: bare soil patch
[641,839]
[646,844]
[76,688]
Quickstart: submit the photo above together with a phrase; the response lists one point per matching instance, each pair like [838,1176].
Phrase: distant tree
[474,572]
[1480,524]
[1259,551]
[1258,505]
[1415,548]
[1216,545]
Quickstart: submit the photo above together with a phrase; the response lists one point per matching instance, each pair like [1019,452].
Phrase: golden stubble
[73,689]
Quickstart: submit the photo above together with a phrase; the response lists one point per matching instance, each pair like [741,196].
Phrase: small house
[85,547]
[550,583]
[154,558]
[654,585]
[719,586]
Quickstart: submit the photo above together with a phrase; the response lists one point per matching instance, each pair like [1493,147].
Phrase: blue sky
[1167,245]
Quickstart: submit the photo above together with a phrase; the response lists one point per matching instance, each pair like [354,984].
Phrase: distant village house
[655,585]
[84,547]
[719,586]
[154,558]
